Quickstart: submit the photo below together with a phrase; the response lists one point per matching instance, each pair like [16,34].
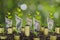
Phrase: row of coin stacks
[36,20]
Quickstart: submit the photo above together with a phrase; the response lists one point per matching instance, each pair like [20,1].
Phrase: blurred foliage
[48,7]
